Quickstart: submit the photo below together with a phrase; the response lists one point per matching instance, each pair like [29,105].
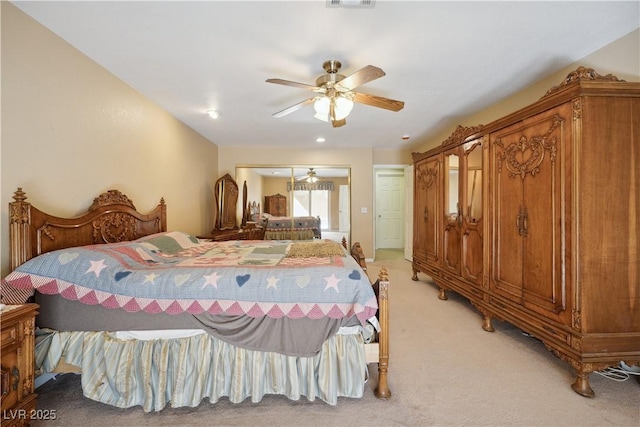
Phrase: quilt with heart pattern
[175,272]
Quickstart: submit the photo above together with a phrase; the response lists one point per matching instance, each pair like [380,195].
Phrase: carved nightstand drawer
[9,336]
[17,397]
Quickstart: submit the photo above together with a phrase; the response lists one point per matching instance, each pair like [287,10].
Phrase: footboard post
[382,390]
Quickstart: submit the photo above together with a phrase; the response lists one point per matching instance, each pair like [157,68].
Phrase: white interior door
[390,227]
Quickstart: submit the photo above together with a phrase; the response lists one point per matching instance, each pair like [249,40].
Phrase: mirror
[226,195]
[297,192]
[473,154]
[452,192]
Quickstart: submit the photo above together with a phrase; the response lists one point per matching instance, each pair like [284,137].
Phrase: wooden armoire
[534,218]
[275,205]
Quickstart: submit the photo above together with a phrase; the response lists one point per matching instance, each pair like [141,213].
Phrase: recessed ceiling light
[320,139]
[213,114]
[405,137]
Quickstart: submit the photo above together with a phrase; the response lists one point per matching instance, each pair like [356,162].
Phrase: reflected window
[312,203]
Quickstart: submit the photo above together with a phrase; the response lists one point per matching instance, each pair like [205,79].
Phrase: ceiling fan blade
[296,84]
[338,123]
[332,115]
[360,77]
[293,108]
[378,101]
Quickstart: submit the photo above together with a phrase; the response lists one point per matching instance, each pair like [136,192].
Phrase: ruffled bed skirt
[289,235]
[182,372]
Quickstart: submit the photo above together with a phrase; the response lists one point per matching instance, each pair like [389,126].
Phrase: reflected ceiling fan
[335,93]
[309,177]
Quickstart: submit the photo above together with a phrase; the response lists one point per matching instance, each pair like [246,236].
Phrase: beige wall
[71,130]
[391,157]
[620,58]
[359,160]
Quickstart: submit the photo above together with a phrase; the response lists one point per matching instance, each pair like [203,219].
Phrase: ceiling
[445,60]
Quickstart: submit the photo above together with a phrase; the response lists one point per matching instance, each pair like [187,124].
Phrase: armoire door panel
[472,252]
[472,207]
[452,216]
[507,266]
[530,202]
[426,210]
[544,190]
[452,247]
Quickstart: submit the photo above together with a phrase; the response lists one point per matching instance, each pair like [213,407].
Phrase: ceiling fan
[309,177]
[335,93]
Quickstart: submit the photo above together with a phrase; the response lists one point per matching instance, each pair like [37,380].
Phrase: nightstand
[18,400]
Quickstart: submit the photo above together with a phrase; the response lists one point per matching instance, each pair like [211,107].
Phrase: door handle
[519,221]
[522,221]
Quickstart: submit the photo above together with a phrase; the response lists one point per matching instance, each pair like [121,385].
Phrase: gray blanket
[294,337]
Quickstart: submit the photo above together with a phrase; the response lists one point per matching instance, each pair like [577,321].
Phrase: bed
[292,228]
[194,340]
[284,227]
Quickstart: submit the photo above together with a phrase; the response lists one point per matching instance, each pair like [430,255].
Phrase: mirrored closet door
[294,193]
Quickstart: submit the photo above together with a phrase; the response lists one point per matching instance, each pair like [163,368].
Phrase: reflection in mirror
[474,183]
[297,192]
[452,164]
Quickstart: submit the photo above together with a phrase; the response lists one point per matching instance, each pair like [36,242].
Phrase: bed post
[20,229]
[357,254]
[382,390]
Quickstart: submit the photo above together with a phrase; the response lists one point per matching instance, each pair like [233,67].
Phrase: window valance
[308,186]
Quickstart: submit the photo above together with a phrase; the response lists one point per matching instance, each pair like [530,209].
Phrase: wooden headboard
[111,218]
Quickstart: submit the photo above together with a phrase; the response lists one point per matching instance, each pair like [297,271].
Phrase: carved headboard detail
[111,197]
[111,218]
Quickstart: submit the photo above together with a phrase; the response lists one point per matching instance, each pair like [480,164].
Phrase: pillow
[171,242]
[259,217]
[325,248]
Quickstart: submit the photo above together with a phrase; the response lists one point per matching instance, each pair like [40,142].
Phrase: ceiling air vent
[360,4]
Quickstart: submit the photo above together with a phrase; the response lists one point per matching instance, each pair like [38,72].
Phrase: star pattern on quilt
[332,282]
[272,282]
[211,280]
[96,267]
[149,278]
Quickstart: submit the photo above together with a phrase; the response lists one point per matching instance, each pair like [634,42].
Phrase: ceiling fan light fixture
[322,106]
[334,93]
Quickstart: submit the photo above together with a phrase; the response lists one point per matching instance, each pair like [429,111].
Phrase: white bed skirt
[182,372]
